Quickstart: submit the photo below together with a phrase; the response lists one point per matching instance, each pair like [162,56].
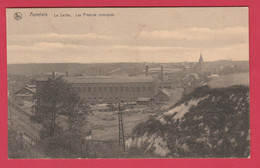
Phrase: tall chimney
[67,73]
[53,74]
[146,70]
[161,77]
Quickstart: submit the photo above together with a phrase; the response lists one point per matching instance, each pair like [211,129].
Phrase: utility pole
[10,111]
[121,128]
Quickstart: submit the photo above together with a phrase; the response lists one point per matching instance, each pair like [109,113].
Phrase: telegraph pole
[10,111]
[121,128]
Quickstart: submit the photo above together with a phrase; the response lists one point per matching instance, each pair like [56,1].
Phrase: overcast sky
[131,35]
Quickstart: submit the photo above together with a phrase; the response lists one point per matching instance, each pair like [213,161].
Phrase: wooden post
[121,127]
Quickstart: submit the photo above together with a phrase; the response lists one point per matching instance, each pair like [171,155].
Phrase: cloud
[43,46]
[56,38]
[193,37]
[197,33]
[157,46]
[147,48]
[60,47]
[57,52]
[70,36]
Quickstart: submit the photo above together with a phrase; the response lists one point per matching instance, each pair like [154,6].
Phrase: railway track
[22,121]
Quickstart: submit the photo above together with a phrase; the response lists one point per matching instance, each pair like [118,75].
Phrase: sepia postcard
[157,82]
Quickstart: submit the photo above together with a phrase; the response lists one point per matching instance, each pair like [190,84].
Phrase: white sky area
[131,35]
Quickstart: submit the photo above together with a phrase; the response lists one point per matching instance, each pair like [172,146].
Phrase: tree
[55,97]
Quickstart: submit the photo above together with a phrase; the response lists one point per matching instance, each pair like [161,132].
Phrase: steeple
[199,67]
[201,59]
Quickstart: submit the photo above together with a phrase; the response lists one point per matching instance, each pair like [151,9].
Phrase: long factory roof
[106,79]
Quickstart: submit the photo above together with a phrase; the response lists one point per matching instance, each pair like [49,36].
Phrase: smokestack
[161,77]
[146,70]
[53,74]
[67,73]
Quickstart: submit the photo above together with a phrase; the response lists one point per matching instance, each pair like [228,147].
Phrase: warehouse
[109,89]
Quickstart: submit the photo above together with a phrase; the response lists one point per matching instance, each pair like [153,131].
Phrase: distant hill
[207,123]
[74,68]
[102,68]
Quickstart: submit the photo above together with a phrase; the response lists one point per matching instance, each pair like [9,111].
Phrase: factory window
[127,89]
[89,89]
[144,88]
[111,89]
[78,89]
[100,89]
[105,89]
[94,89]
[150,88]
[84,89]
[133,89]
[138,89]
[122,89]
[116,88]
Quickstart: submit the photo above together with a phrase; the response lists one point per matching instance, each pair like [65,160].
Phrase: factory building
[107,89]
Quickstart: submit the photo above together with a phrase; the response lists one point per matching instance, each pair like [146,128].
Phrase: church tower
[201,59]
[200,64]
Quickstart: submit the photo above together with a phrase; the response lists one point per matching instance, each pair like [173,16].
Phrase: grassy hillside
[206,123]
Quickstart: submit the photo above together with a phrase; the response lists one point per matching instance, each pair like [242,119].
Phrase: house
[27,93]
[162,95]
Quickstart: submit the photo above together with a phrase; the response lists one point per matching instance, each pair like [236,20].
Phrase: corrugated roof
[108,79]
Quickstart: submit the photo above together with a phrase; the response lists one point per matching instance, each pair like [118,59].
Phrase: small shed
[144,101]
[162,95]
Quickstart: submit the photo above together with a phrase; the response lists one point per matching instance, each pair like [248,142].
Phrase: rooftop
[165,91]
[104,79]
[109,79]
[31,86]
[30,89]
[143,99]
